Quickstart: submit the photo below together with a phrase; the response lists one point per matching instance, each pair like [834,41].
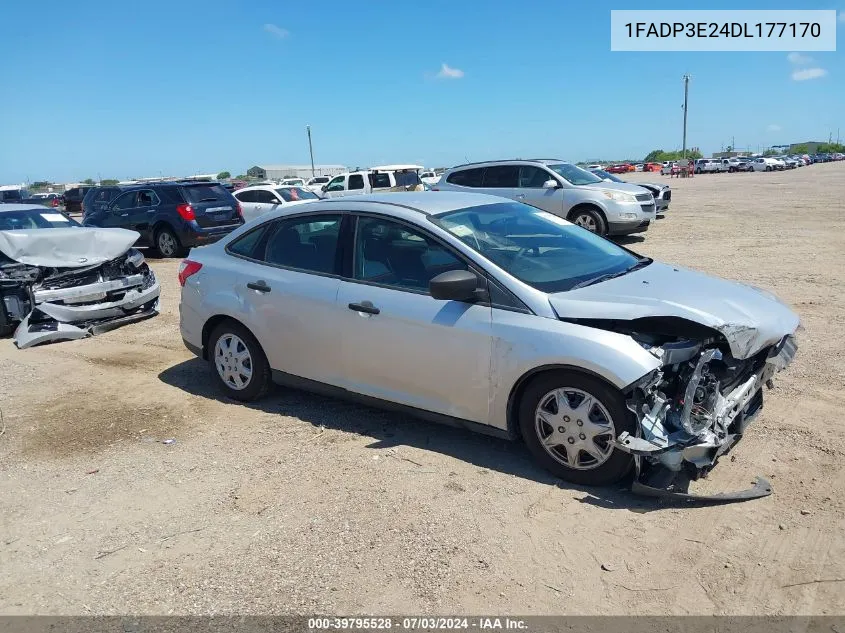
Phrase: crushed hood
[67,247]
[750,319]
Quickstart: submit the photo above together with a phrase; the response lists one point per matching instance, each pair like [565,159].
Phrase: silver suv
[559,187]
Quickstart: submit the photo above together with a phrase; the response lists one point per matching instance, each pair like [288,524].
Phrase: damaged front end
[696,406]
[52,303]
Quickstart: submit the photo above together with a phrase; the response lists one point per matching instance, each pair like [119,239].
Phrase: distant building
[812,146]
[277,172]
[729,154]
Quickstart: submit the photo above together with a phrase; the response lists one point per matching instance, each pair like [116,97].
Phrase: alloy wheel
[587,221]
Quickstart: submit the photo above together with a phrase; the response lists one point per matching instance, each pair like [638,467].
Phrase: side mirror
[324,188]
[454,285]
[550,184]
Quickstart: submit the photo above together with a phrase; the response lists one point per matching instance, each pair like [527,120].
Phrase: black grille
[644,197]
[647,208]
[667,195]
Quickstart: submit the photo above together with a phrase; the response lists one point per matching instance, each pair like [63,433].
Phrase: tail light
[54,202]
[186,269]
[186,211]
[240,209]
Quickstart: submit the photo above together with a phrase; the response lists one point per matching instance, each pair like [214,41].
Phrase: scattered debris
[554,588]
[805,512]
[781,526]
[814,582]
[64,539]
[175,534]
[692,540]
[608,567]
[142,550]
[647,588]
[93,472]
[70,491]
[317,434]
[728,565]
[168,441]
[109,552]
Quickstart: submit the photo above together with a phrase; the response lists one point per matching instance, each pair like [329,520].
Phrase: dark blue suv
[170,216]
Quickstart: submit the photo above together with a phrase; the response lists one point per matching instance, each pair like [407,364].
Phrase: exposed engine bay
[697,405]
[47,303]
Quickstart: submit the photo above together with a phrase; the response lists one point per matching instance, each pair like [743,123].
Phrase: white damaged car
[62,281]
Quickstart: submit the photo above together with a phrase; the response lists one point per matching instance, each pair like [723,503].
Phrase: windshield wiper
[645,261]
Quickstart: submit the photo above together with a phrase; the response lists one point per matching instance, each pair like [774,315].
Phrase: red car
[619,169]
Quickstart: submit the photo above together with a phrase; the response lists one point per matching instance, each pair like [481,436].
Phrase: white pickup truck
[374,180]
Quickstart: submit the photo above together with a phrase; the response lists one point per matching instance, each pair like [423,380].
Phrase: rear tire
[167,244]
[590,219]
[237,362]
[553,418]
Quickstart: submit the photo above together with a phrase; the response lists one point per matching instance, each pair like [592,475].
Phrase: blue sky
[185,87]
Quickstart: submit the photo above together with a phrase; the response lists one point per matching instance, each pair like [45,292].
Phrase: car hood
[615,186]
[67,247]
[749,318]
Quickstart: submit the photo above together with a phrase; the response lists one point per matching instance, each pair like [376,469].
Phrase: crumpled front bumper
[733,413]
[73,313]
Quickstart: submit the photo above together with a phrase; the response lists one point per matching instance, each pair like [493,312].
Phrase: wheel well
[586,205]
[160,225]
[212,323]
[522,384]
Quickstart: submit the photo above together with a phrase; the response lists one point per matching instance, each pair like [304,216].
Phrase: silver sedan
[493,315]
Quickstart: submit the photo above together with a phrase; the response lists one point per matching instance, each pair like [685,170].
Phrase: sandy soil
[302,504]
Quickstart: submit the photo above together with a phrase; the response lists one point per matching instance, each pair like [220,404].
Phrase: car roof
[427,202]
[24,207]
[509,161]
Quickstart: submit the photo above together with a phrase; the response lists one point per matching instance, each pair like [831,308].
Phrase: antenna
[686,98]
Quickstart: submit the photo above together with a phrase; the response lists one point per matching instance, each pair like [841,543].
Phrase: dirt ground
[302,504]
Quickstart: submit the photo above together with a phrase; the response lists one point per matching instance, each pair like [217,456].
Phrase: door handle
[364,306]
[124,215]
[260,286]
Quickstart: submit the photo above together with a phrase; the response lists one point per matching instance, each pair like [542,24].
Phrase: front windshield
[538,248]
[606,175]
[574,175]
[34,219]
[290,194]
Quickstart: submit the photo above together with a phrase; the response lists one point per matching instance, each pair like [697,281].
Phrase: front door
[336,187]
[398,343]
[118,214]
[531,180]
[288,285]
[141,215]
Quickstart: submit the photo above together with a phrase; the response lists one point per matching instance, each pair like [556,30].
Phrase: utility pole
[310,149]
[686,98]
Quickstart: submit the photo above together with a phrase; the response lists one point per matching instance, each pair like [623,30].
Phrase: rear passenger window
[307,243]
[246,196]
[501,176]
[246,244]
[466,177]
[533,177]
[380,180]
[356,181]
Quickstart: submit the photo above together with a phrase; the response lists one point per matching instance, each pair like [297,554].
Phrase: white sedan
[260,199]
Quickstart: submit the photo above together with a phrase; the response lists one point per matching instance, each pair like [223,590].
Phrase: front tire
[237,362]
[569,420]
[590,219]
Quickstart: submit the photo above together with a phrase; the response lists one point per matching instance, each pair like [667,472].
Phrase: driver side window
[533,177]
[336,184]
[126,201]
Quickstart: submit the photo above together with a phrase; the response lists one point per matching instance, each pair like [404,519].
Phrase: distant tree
[729,148]
[659,156]
[801,149]
[654,156]
[88,181]
[770,152]
[40,184]
[107,182]
[223,175]
[241,177]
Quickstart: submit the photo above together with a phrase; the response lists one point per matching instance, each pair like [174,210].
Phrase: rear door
[355,185]
[212,204]
[265,201]
[287,285]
